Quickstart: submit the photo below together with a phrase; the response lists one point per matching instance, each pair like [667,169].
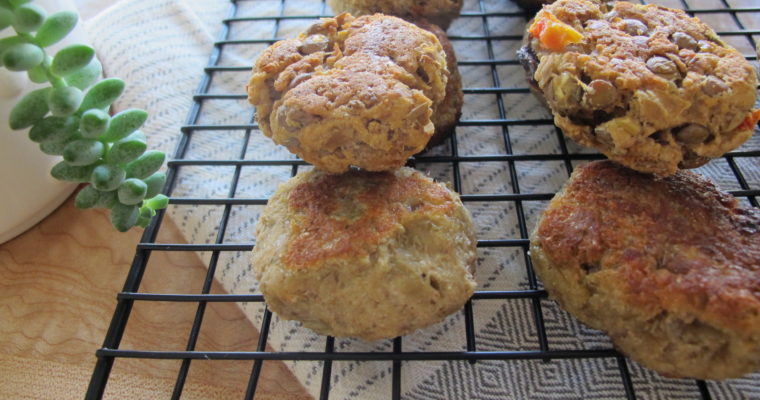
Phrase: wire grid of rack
[737,162]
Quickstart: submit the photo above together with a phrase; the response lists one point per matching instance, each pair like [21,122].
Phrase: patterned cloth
[160,48]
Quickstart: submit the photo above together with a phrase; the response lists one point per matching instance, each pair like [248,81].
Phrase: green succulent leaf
[87,197]
[64,171]
[126,150]
[28,17]
[71,59]
[106,177]
[145,165]
[146,211]
[93,123]
[102,94]
[23,56]
[124,123]
[155,183]
[8,42]
[64,100]
[107,199]
[51,129]
[85,76]
[30,109]
[132,191]
[6,18]
[55,28]
[55,147]
[143,222]
[52,148]
[16,3]
[37,74]
[83,152]
[158,202]
[124,216]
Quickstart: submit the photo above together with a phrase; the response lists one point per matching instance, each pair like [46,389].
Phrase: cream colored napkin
[159,47]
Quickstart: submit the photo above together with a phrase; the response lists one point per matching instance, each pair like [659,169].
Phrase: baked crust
[446,115]
[370,255]
[668,267]
[648,86]
[351,92]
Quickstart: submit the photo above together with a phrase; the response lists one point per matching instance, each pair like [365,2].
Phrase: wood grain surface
[58,286]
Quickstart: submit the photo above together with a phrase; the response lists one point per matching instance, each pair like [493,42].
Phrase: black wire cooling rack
[745,17]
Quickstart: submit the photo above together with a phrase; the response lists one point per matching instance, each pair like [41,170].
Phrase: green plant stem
[27,36]
[54,80]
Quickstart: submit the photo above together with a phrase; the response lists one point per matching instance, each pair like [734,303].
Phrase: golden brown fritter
[369,255]
[439,12]
[351,92]
[650,87]
[668,267]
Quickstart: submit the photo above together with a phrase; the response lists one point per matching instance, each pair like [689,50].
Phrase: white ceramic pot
[27,191]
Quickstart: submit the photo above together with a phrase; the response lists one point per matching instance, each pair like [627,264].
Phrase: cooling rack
[506,158]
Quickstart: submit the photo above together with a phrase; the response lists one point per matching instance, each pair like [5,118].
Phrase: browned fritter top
[621,35]
[336,48]
[344,216]
[676,243]
[351,92]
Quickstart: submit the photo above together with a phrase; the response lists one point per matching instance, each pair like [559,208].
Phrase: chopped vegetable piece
[750,121]
[553,34]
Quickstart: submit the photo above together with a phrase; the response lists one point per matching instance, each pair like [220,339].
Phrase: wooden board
[58,285]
